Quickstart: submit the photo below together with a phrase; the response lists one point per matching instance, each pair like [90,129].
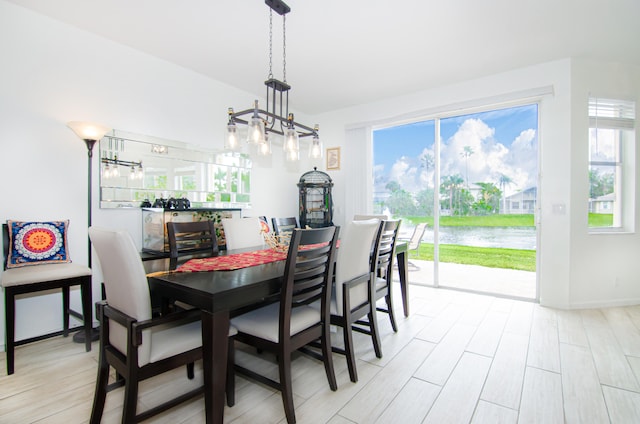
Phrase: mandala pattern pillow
[35,243]
[264,225]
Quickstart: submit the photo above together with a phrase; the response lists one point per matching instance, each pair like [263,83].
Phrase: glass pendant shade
[264,149]
[315,151]
[231,141]
[292,155]
[291,140]
[256,134]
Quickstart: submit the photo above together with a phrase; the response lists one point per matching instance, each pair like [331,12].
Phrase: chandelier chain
[284,48]
[270,44]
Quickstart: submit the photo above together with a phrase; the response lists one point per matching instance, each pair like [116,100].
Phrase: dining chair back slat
[191,238]
[382,265]
[284,225]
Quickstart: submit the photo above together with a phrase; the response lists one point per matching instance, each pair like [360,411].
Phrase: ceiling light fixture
[276,118]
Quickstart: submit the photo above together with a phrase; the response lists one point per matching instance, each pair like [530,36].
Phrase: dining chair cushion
[240,233]
[168,341]
[40,273]
[37,243]
[264,322]
[354,259]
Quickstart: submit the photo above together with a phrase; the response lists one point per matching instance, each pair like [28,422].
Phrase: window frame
[617,115]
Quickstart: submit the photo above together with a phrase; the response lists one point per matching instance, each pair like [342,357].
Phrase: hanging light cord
[284,48]
[270,44]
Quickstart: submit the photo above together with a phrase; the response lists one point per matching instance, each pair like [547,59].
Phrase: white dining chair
[132,342]
[241,233]
[353,296]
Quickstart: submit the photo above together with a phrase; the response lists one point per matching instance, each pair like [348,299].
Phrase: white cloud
[405,174]
[488,161]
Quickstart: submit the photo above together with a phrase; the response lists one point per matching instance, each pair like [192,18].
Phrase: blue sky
[503,141]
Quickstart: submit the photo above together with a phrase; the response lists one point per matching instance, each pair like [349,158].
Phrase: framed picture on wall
[333,158]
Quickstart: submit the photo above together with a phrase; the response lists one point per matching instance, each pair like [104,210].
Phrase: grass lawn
[524,260]
[520,259]
[600,220]
[524,220]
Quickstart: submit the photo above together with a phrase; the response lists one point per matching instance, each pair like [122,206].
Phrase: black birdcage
[316,205]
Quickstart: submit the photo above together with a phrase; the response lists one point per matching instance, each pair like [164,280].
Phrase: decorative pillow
[35,243]
[264,225]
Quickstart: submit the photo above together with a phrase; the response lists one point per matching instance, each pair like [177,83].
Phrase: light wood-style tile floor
[459,358]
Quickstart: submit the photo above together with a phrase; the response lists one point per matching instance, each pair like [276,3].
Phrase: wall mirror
[136,168]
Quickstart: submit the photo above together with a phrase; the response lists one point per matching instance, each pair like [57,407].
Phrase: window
[611,167]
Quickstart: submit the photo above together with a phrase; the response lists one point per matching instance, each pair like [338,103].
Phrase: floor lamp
[91,134]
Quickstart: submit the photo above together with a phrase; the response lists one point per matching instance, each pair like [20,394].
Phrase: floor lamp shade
[88,130]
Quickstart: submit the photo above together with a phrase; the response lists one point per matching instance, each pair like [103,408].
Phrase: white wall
[604,267]
[53,73]
[575,269]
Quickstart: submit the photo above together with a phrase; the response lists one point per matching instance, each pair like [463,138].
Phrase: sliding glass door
[476,189]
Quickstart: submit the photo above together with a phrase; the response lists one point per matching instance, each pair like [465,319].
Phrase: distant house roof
[605,198]
[529,192]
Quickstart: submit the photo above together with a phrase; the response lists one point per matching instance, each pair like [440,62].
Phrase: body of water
[507,237]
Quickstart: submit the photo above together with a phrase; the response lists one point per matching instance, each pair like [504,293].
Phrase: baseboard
[611,303]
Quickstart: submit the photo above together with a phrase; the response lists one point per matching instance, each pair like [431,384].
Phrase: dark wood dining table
[217,294]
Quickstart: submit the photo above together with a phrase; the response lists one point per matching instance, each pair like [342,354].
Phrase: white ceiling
[347,52]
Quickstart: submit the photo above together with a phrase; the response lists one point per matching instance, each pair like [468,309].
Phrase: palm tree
[451,184]
[490,196]
[427,161]
[504,182]
[468,151]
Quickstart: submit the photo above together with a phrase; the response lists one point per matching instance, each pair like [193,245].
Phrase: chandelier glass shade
[256,130]
[315,151]
[264,148]
[275,119]
[232,141]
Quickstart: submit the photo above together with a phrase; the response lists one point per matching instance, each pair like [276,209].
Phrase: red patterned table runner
[238,260]
[233,261]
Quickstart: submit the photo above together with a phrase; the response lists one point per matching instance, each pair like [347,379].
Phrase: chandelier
[276,119]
